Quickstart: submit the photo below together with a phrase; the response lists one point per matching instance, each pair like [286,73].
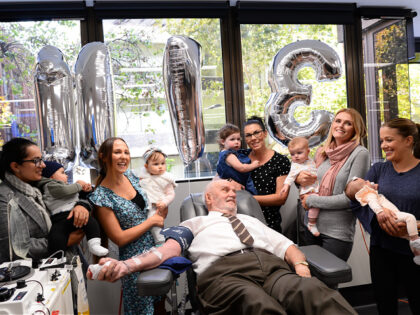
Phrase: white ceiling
[405,4]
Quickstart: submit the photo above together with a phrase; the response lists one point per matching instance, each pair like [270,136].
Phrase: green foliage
[19,44]
[393,82]
[137,48]
[170,163]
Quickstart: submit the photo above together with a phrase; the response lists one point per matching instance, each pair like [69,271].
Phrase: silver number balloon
[287,93]
[95,100]
[182,80]
[55,105]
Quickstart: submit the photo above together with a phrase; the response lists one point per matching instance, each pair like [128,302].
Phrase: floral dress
[264,178]
[129,215]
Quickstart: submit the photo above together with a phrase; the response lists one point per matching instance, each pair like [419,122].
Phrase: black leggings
[339,248]
[388,269]
[61,229]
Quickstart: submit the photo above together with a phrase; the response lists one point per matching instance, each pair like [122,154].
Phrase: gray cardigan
[34,223]
[336,218]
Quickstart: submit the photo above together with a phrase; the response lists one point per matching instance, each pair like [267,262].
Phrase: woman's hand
[157,220]
[236,185]
[75,237]
[388,222]
[306,178]
[303,201]
[162,209]
[80,214]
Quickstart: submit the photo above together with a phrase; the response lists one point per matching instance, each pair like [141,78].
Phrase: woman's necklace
[405,166]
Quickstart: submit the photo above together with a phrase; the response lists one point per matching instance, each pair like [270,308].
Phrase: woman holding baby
[391,259]
[341,158]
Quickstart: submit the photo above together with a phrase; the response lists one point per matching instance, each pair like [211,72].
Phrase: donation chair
[323,265]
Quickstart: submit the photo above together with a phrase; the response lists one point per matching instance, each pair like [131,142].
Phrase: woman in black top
[269,177]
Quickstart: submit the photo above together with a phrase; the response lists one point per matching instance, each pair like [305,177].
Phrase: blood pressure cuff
[181,234]
[176,264]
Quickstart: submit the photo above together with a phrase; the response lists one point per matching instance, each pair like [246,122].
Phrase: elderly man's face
[221,197]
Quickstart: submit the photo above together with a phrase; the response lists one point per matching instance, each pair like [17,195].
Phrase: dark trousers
[61,229]
[339,248]
[261,283]
[388,270]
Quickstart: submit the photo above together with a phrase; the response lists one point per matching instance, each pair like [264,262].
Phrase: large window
[261,42]
[137,47]
[20,43]
[414,68]
[238,45]
[386,76]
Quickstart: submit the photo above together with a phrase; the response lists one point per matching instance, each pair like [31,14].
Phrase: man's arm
[149,260]
[297,260]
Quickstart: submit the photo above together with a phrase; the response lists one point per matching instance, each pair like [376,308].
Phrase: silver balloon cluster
[182,80]
[95,99]
[70,131]
[287,93]
[55,105]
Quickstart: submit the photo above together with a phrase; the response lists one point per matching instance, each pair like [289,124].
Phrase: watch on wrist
[305,263]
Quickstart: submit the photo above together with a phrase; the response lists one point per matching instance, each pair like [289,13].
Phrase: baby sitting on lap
[365,194]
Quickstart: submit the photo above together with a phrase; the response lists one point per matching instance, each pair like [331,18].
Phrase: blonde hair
[297,141]
[358,125]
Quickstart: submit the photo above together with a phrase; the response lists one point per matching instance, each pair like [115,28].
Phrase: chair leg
[174,299]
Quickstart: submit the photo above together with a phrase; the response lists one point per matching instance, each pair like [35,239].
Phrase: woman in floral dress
[121,208]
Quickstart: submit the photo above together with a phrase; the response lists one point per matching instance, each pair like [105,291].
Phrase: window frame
[231,17]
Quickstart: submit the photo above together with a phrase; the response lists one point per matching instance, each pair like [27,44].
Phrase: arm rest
[326,266]
[154,282]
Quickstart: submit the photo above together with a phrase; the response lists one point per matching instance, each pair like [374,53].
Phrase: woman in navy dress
[121,208]
[391,260]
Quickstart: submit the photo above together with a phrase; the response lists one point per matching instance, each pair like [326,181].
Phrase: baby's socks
[95,247]
[415,247]
[313,229]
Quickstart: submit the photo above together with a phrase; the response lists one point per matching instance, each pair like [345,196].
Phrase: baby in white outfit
[158,184]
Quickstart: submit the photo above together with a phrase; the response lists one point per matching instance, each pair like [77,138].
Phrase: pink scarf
[338,156]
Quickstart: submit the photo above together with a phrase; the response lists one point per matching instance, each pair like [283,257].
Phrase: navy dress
[225,171]
[129,214]
[391,260]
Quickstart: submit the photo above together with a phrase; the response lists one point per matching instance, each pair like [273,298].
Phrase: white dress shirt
[214,238]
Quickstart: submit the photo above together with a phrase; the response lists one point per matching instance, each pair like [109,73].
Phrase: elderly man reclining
[254,270]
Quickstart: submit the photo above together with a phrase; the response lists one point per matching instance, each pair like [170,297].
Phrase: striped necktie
[240,230]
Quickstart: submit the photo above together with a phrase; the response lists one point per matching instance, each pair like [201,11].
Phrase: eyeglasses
[256,134]
[38,161]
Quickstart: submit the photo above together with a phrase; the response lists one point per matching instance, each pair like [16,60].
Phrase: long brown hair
[358,125]
[405,128]
[105,156]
